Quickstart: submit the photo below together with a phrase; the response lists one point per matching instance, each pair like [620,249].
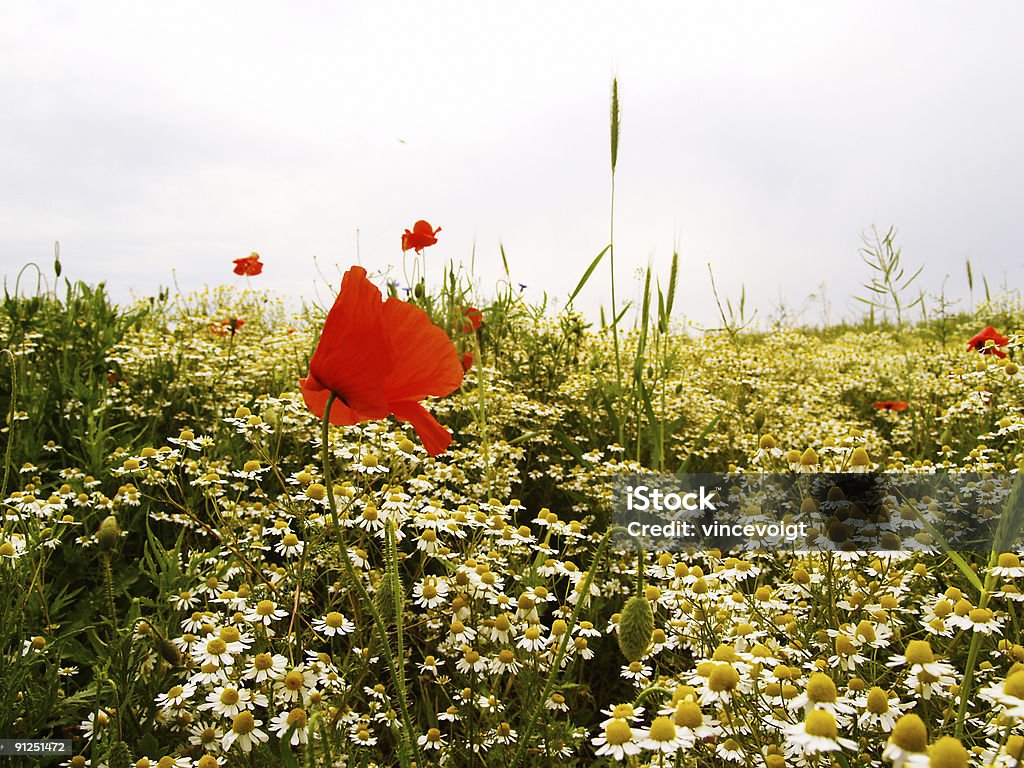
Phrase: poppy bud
[109,533]
[119,756]
[759,418]
[56,265]
[636,627]
[420,290]
[386,599]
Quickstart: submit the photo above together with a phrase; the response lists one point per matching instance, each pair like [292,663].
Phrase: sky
[158,142]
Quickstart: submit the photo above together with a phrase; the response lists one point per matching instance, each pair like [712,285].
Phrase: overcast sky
[761,137]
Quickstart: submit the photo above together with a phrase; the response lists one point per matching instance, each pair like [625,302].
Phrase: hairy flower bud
[636,627]
[109,533]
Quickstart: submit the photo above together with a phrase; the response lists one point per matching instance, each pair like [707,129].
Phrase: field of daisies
[197,569]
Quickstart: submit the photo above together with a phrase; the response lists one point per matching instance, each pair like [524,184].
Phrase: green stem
[615,314]
[407,732]
[973,651]
[556,664]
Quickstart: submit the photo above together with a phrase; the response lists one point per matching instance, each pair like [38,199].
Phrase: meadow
[197,570]
[388,532]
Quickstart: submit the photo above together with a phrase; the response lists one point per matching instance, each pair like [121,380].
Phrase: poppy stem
[407,737]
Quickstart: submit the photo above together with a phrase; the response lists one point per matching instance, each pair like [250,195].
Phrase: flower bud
[109,533]
[636,627]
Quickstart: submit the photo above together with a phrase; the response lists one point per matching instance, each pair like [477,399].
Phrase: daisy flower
[432,739]
[618,740]
[176,697]
[214,651]
[1009,566]
[288,719]
[265,612]
[908,743]
[289,546]
[1009,693]
[880,710]
[333,624]
[245,730]
[296,685]
[263,666]
[532,640]
[228,701]
[361,734]
[663,737]
[818,733]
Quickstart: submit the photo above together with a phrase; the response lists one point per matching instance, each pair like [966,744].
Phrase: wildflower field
[197,569]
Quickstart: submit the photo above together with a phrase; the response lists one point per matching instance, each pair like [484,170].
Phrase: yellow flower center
[622,711]
[662,729]
[723,678]
[243,723]
[910,733]
[962,607]
[216,647]
[980,615]
[724,653]
[821,688]
[821,722]
[617,732]
[688,715]
[297,717]
[1009,560]
[265,608]
[262,661]
[866,631]
[1015,746]
[334,619]
[919,652]
[878,701]
[293,680]
[230,635]
[1014,685]
[229,696]
[947,752]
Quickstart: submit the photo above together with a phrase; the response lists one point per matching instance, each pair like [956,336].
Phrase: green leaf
[587,274]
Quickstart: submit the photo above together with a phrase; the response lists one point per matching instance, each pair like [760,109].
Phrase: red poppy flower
[250,265]
[989,334]
[467,361]
[381,358]
[227,326]
[472,319]
[892,405]
[421,236]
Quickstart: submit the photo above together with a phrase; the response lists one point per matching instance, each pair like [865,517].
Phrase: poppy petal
[426,362]
[353,357]
[434,437]
[315,396]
